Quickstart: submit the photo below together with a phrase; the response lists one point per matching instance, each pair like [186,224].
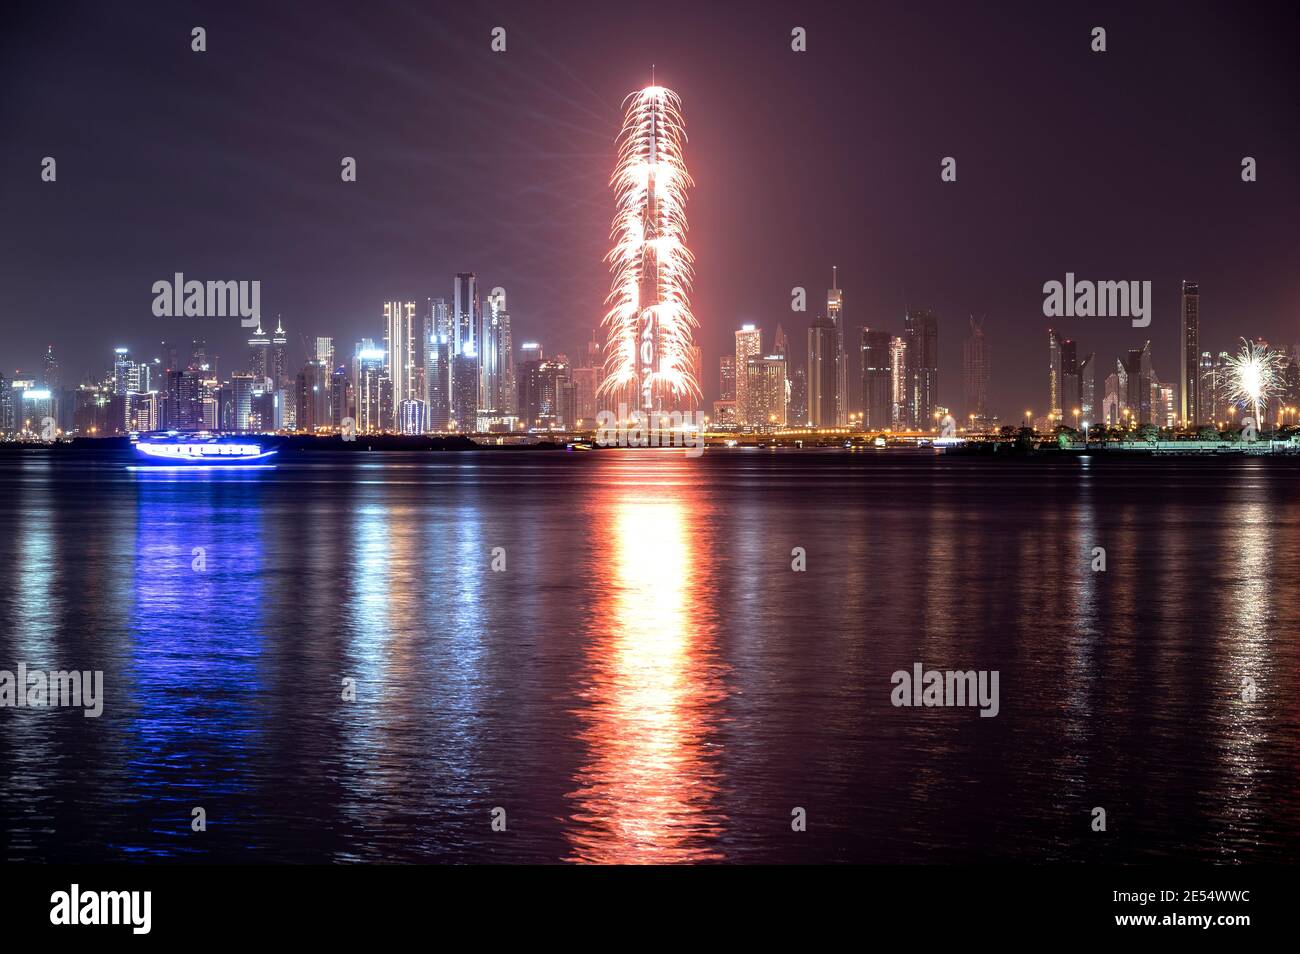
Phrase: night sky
[225,165]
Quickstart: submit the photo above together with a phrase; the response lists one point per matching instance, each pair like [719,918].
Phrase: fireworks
[1254,376]
[649,325]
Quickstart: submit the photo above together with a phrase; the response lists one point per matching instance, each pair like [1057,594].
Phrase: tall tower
[975,372]
[279,348]
[400,340]
[835,314]
[748,345]
[1190,355]
[1053,373]
[922,362]
[259,348]
[649,326]
[822,365]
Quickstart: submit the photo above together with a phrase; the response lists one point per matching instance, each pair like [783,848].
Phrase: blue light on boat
[180,452]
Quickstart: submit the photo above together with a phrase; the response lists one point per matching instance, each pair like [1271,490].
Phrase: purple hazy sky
[225,165]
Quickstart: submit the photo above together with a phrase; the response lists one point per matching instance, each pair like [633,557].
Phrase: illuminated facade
[649,326]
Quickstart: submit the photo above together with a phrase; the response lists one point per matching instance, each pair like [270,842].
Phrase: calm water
[648,680]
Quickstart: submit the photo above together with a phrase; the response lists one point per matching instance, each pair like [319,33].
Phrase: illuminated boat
[199,450]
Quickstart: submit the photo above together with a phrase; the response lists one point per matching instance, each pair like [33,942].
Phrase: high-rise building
[823,371]
[50,371]
[279,372]
[585,382]
[727,377]
[465,316]
[1207,388]
[921,329]
[490,357]
[835,315]
[372,389]
[7,411]
[312,396]
[766,391]
[259,364]
[1189,355]
[437,378]
[1113,405]
[877,380]
[748,345]
[798,415]
[542,387]
[650,362]
[508,402]
[898,371]
[126,373]
[975,373]
[1140,382]
[402,351]
[780,344]
[1071,395]
[1054,398]
[1088,388]
[464,390]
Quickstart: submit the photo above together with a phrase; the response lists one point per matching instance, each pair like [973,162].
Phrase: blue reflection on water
[195,641]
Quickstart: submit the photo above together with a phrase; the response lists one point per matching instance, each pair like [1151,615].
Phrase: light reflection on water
[648,789]
[649,681]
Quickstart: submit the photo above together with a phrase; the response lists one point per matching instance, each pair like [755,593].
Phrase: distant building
[921,329]
[748,345]
[823,369]
[727,377]
[840,381]
[766,391]
[1190,355]
[975,373]
[877,380]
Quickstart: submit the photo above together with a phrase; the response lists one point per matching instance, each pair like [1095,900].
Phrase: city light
[649,325]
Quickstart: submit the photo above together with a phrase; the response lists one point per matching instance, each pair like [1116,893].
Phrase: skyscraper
[465,315]
[1053,373]
[975,373]
[727,377]
[823,371]
[372,388]
[877,380]
[898,372]
[1088,388]
[649,361]
[400,343]
[259,353]
[1140,382]
[279,355]
[766,390]
[1070,393]
[50,371]
[1190,355]
[835,315]
[921,329]
[748,345]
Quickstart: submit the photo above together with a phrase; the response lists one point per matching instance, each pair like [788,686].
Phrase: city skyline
[326,251]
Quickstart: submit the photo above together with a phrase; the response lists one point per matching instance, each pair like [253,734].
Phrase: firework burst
[649,326]
[1254,377]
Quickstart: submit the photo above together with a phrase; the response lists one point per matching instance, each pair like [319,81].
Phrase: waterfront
[648,680]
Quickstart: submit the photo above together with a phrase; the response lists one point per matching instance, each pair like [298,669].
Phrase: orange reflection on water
[648,790]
